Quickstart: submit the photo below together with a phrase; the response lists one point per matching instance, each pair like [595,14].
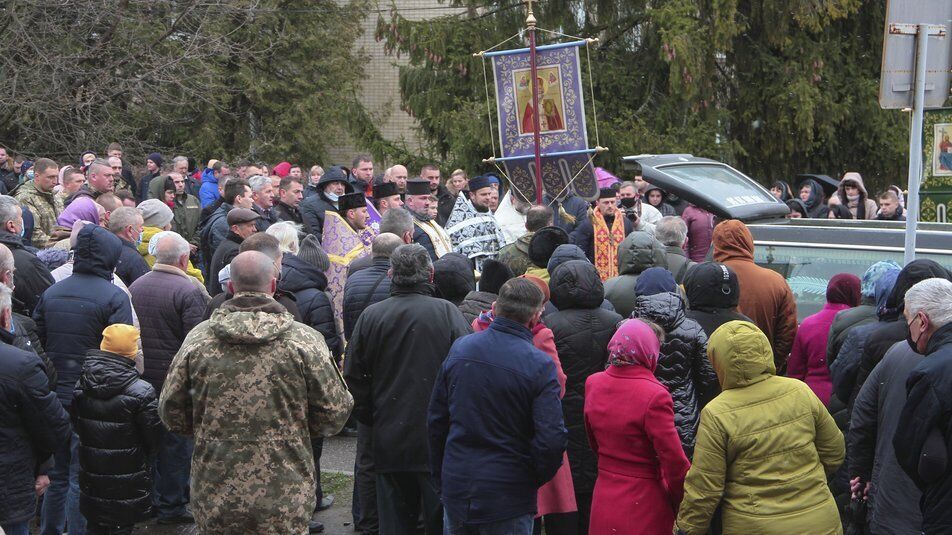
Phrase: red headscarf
[634,343]
[844,289]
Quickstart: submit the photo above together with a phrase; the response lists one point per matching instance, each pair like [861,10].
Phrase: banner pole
[534,85]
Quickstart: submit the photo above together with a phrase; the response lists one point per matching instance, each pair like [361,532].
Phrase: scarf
[634,343]
[475,234]
[606,244]
[439,239]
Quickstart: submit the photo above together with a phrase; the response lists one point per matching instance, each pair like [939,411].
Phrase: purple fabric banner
[561,120]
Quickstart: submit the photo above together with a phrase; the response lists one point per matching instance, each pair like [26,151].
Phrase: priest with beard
[426,232]
[471,225]
[602,231]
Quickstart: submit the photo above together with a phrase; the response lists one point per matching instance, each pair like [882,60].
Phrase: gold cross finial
[530,17]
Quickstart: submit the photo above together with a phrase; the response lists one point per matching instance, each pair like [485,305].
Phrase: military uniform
[253,387]
[45,207]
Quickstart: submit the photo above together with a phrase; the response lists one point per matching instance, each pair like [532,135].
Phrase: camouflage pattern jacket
[45,207]
[253,386]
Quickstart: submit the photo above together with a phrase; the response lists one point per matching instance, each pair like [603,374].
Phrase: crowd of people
[178,345]
[848,200]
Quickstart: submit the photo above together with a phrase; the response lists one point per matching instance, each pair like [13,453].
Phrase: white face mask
[333,197]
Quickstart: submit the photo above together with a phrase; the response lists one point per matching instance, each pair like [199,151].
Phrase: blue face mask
[333,197]
[22,230]
[139,240]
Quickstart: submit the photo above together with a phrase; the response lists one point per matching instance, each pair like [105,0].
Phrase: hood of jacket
[208,176]
[454,278]
[97,252]
[576,284]
[638,252]
[914,272]
[563,254]
[298,275]
[711,286]
[335,174]
[884,287]
[741,355]
[106,374]
[250,318]
[522,243]
[666,309]
[732,241]
[817,197]
[857,180]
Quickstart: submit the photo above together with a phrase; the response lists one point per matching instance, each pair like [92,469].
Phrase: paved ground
[337,465]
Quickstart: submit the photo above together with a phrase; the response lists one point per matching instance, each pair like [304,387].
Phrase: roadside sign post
[916,74]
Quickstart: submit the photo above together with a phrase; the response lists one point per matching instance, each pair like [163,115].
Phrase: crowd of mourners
[177,345]
[847,199]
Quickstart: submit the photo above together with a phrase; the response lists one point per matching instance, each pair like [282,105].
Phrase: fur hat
[543,244]
[120,339]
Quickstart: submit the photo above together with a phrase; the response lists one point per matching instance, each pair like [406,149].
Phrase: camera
[631,207]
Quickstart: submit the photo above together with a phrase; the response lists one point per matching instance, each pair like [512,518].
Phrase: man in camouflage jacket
[37,195]
[253,386]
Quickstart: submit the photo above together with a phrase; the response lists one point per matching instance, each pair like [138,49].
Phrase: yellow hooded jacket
[764,446]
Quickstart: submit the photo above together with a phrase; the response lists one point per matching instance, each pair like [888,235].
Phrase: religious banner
[564,139]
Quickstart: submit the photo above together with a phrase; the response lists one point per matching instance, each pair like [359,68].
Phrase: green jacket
[636,253]
[186,215]
[253,387]
[764,446]
[45,207]
[516,254]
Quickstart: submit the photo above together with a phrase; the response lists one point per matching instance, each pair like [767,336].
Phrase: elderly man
[32,276]
[126,223]
[471,225]
[34,426]
[37,195]
[242,223]
[921,439]
[290,194]
[253,387]
[169,306]
[427,232]
[262,193]
[390,368]
[672,232]
[397,175]
[331,186]
[70,318]
[600,235]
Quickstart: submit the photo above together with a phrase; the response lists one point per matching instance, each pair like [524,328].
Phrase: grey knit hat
[311,252]
[155,213]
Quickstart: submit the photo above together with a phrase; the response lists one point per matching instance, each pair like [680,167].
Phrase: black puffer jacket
[116,417]
[364,288]
[683,366]
[308,286]
[26,338]
[582,330]
[475,303]
[33,425]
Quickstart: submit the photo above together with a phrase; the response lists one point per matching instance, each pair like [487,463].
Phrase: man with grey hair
[390,368]
[254,387]
[395,221]
[126,223]
[922,436]
[672,232]
[169,305]
[262,192]
[32,277]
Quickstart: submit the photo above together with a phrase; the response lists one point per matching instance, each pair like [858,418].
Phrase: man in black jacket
[331,186]
[921,439]
[32,277]
[393,357]
[242,223]
[290,193]
[126,224]
[33,425]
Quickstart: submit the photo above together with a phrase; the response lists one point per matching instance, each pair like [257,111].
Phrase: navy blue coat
[72,313]
[925,428]
[495,424]
[308,286]
[364,288]
[33,425]
[131,264]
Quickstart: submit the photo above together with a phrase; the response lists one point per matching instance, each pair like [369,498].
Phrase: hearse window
[720,182]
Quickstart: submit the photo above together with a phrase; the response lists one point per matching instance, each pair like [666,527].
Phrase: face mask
[913,343]
[333,197]
[22,231]
[139,239]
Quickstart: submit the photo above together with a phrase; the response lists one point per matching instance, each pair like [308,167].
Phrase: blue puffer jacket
[33,425]
[364,288]
[72,313]
[208,193]
[308,285]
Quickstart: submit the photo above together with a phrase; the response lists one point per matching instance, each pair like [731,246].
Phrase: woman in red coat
[630,421]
